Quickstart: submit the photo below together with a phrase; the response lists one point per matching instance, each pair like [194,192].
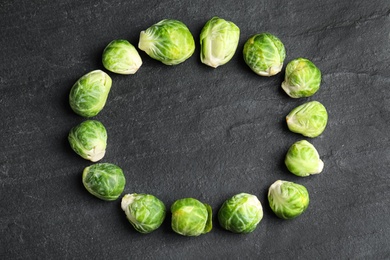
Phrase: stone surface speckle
[193,131]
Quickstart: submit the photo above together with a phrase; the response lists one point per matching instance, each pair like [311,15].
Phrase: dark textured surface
[193,131]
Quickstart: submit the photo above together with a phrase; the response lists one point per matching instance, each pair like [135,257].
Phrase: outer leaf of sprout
[308,119]
[89,94]
[218,40]
[190,217]
[302,78]
[264,53]
[105,181]
[121,57]
[241,213]
[89,140]
[302,159]
[169,41]
[288,199]
[145,212]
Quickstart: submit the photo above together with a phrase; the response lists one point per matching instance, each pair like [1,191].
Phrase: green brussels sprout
[302,159]
[241,213]
[302,78]
[144,211]
[121,57]
[288,199]
[264,53]
[89,140]
[190,217]
[169,41]
[308,119]
[218,42]
[89,94]
[105,181]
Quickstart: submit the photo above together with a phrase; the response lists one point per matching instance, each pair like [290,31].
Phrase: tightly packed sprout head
[89,94]
[104,180]
[302,78]
[89,140]
[169,41]
[264,53]
[144,211]
[308,119]
[121,57]
[241,213]
[288,199]
[190,217]
[302,159]
[218,42]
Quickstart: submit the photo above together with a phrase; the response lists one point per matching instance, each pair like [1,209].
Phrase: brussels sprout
[241,213]
[168,41]
[106,181]
[302,78]
[89,140]
[218,42]
[190,217]
[144,211]
[288,199]
[121,57]
[308,119]
[89,94]
[264,53]
[302,159]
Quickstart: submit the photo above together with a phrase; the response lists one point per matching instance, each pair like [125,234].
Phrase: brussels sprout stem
[320,167]
[126,201]
[96,153]
[273,70]
[289,88]
[145,41]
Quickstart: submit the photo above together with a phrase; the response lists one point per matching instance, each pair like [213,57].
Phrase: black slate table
[193,131]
